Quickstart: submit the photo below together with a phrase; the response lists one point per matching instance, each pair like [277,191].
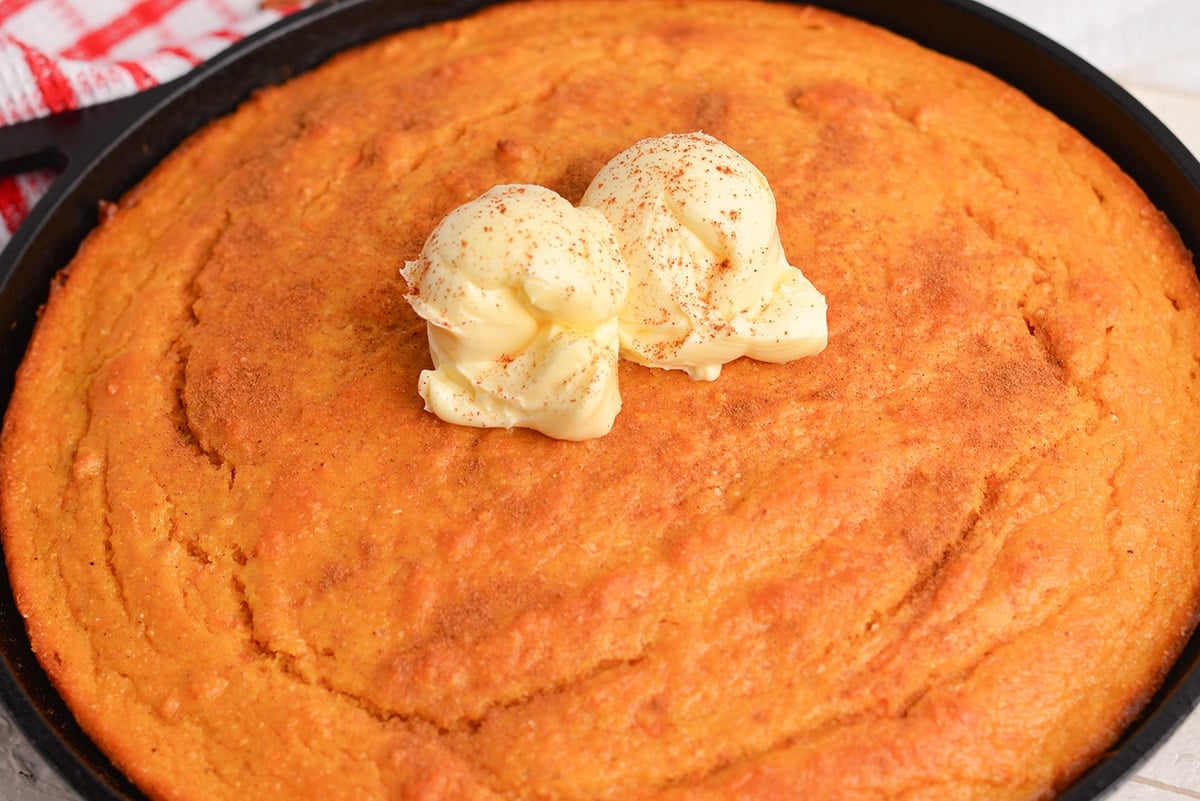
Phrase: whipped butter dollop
[520,291]
[709,281]
[672,259]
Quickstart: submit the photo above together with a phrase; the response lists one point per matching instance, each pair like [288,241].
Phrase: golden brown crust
[947,558]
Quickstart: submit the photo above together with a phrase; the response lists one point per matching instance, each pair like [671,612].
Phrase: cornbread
[949,557]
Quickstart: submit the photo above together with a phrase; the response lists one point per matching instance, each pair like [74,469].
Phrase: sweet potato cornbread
[949,557]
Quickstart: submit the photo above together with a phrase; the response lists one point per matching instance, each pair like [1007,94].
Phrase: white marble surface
[1150,47]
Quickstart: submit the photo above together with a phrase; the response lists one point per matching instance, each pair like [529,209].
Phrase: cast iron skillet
[104,151]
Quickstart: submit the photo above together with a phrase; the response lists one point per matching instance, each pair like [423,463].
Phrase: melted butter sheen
[672,259]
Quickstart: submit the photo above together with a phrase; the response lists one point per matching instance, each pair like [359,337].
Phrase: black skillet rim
[103,151]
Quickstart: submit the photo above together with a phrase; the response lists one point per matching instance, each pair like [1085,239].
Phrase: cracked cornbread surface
[947,558]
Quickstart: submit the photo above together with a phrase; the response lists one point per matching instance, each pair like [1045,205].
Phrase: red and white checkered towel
[57,55]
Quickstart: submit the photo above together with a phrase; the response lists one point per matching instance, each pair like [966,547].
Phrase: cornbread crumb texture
[948,557]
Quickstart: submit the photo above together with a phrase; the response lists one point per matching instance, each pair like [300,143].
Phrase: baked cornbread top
[949,557]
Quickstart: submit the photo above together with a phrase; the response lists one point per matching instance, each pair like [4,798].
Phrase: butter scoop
[709,281]
[520,291]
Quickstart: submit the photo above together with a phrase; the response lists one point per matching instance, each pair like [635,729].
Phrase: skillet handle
[33,145]
[70,137]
